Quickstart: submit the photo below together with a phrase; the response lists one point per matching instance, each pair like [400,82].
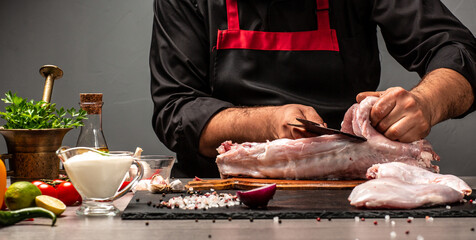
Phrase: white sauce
[95,175]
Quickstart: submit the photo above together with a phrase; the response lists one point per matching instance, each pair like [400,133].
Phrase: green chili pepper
[11,217]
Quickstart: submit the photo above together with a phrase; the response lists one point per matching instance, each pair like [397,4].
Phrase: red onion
[258,197]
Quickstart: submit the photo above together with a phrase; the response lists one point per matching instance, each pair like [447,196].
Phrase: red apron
[275,68]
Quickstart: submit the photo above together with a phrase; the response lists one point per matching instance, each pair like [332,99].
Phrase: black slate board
[289,204]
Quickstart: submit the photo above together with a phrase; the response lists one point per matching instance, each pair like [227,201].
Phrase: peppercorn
[409,220]
[375,222]
[362,219]
[209,236]
[196,219]
[472,229]
[251,219]
[213,221]
[318,219]
[147,223]
[137,199]
[279,221]
[149,203]
[407,232]
[330,219]
[229,219]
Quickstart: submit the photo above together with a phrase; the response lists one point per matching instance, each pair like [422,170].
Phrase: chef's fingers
[297,132]
[310,114]
[407,131]
[384,105]
[397,129]
[361,96]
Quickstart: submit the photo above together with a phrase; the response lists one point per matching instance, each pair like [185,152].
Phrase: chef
[241,70]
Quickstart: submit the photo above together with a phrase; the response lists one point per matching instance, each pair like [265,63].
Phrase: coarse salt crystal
[387,218]
[420,237]
[429,219]
[357,219]
[448,207]
[393,234]
[393,223]
[276,219]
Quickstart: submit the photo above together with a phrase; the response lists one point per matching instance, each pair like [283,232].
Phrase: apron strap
[232,15]
[322,14]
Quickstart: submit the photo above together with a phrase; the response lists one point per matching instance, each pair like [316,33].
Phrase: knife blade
[318,129]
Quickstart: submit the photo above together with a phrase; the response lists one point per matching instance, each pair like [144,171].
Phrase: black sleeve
[423,35]
[179,65]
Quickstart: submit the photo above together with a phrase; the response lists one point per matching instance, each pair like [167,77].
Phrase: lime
[50,203]
[21,195]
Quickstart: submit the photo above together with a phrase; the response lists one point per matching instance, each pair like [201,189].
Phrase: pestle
[50,73]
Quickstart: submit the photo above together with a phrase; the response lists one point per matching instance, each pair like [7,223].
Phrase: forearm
[255,124]
[239,125]
[445,93]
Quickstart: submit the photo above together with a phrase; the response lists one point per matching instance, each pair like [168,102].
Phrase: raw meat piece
[323,157]
[416,175]
[394,193]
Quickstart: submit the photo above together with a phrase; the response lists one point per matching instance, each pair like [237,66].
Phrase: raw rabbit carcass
[326,156]
[401,186]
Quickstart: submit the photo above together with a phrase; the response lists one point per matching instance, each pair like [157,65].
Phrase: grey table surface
[70,227]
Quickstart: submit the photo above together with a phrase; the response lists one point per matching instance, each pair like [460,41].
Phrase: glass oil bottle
[91,134]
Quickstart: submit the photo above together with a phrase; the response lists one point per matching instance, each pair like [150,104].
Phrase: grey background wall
[103,46]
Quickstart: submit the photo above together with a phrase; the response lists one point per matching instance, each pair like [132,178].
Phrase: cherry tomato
[68,194]
[47,189]
[37,183]
[57,182]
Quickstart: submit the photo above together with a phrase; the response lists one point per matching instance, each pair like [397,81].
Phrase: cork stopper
[91,102]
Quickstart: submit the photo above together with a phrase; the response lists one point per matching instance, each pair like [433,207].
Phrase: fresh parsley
[24,114]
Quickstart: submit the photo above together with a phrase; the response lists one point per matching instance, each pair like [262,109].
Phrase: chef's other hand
[287,114]
[399,114]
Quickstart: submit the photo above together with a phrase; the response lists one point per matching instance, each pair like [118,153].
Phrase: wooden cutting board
[250,183]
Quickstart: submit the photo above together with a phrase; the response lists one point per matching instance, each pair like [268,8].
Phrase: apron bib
[276,68]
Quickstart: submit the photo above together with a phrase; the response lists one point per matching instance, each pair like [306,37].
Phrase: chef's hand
[287,114]
[399,114]
[254,124]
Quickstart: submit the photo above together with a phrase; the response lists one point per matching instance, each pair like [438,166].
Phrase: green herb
[24,114]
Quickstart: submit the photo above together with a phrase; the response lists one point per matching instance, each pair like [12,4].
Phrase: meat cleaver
[318,129]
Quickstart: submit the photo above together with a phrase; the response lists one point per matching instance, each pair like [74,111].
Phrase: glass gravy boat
[97,176]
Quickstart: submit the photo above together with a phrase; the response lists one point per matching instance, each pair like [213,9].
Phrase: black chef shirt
[422,35]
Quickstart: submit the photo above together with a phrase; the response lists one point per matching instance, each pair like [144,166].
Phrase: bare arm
[409,115]
[256,124]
